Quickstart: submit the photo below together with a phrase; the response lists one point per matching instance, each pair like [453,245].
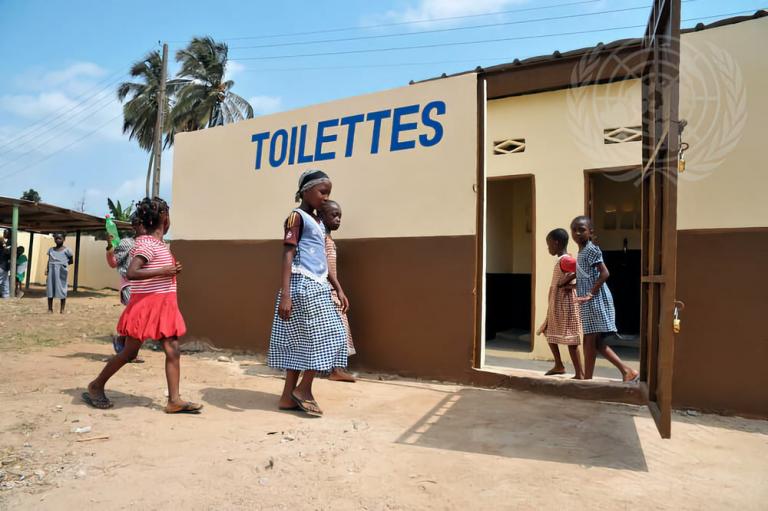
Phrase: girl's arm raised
[136,271]
[342,297]
[286,304]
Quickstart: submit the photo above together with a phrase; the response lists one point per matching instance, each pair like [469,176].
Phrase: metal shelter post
[29,258]
[77,261]
[14,244]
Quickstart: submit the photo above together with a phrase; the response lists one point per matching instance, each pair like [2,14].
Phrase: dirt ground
[384,444]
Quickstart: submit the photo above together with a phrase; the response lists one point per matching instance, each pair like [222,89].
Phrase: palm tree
[140,111]
[118,211]
[206,100]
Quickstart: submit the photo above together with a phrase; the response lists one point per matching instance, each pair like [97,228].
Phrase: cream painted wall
[95,273]
[723,84]
[558,150]
[508,247]
[426,191]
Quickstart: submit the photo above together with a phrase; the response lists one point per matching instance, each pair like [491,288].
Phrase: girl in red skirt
[152,312]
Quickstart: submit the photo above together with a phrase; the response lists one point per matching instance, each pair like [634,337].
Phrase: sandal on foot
[294,408]
[184,408]
[102,403]
[308,406]
[553,372]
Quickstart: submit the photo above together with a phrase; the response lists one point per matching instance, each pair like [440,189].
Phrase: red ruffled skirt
[152,316]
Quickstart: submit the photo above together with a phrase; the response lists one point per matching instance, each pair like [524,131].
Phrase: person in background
[5,264]
[330,214]
[120,257]
[59,259]
[563,323]
[21,270]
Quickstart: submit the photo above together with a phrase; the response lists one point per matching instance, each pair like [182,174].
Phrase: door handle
[679,307]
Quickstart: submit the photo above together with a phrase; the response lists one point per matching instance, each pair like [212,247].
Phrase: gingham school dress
[598,314]
[314,337]
[563,324]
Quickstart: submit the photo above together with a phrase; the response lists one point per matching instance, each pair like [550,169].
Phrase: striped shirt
[157,254]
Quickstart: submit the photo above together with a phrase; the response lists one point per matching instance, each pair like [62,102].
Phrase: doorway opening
[509,269]
[614,202]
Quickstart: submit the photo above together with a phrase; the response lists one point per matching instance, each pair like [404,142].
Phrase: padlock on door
[679,306]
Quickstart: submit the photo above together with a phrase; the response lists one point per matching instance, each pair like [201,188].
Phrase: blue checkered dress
[314,336]
[597,315]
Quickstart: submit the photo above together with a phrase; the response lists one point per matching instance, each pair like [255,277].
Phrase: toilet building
[449,187]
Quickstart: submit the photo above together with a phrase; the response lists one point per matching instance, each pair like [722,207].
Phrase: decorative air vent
[621,135]
[509,146]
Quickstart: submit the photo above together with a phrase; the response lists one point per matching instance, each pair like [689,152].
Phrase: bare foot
[577,377]
[630,375]
[339,374]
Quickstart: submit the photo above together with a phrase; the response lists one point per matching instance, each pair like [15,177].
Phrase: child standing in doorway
[330,214]
[59,260]
[153,311]
[598,315]
[563,323]
[307,332]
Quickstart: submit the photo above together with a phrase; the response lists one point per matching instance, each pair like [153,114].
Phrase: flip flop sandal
[193,408]
[552,372]
[303,405]
[100,403]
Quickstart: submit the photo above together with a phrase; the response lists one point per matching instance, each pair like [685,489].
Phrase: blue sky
[60,123]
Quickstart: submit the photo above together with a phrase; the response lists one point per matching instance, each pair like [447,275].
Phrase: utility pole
[158,148]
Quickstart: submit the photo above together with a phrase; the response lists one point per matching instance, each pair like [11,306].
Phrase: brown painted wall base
[412,299]
[722,350]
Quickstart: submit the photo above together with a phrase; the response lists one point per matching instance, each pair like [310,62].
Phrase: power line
[114,78]
[463,43]
[41,144]
[402,23]
[77,141]
[66,117]
[442,30]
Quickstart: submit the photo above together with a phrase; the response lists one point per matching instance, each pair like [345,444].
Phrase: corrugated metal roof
[47,218]
[518,65]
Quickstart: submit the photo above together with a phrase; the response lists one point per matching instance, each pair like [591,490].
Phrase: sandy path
[384,444]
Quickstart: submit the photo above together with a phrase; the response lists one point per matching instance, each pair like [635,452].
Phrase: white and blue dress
[598,314]
[314,337]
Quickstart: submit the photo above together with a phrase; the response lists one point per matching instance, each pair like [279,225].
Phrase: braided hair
[149,212]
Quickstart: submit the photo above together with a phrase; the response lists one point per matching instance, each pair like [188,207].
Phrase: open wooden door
[660,86]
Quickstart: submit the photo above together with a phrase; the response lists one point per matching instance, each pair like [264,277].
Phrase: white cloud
[436,9]
[60,114]
[263,105]
[234,68]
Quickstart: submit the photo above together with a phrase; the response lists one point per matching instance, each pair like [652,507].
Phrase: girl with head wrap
[308,334]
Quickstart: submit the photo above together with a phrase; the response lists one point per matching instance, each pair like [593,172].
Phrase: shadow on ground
[239,400]
[120,399]
[513,425]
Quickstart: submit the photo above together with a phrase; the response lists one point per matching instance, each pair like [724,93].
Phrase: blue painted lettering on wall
[336,137]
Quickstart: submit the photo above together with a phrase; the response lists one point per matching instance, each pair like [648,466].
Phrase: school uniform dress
[58,271]
[563,325]
[598,314]
[153,310]
[313,337]
[330,254]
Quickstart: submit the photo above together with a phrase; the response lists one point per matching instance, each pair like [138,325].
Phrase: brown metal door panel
[660,86]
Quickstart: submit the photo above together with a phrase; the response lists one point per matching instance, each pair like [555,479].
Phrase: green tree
[139,100]
[118,212]
[31,195]
[206,99]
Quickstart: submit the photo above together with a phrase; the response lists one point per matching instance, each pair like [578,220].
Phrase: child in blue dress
[598,316]
[308,334]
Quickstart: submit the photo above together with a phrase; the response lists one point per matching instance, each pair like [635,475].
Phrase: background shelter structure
[39,218]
